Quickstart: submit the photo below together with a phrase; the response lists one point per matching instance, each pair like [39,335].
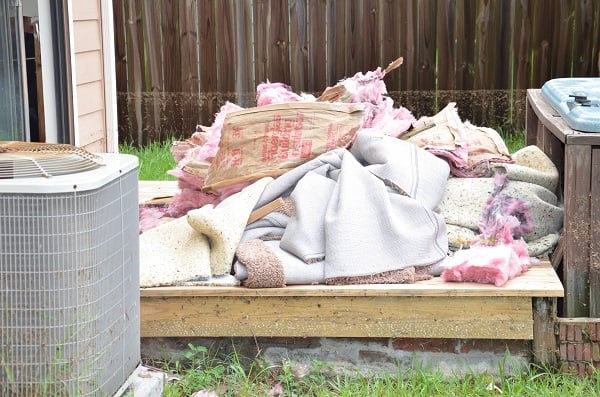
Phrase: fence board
[298,46]
[135,55]
[389,33]
[587,19]
[244,55]
[426,44]
[408,78]
[336,48]
[207,42]
[189,47]
[317,46]
[153,82]
[543,11]
[171,45]
[120,42]
[272,42]
[522,44]
[446,46]
[562,59]
[177,62]
[226,46]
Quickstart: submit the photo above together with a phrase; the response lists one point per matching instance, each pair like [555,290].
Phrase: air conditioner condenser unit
[69,281]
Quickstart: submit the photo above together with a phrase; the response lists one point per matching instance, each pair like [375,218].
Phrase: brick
[571,367]
[562,331]
[496,346]
[594,331]
[596,352]
[577,332]
[429,345]
[570,332]
[563,352]
[586,352]
[570,352]
[297,343]
[579,352]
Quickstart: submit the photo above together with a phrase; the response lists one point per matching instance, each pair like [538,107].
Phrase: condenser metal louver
[69,281]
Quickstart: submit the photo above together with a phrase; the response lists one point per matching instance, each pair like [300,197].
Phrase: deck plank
[540,281]
[338,316]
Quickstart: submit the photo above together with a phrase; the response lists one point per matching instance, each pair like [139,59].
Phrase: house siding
[89,75]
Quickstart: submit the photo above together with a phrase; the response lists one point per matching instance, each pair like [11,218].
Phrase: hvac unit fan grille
[34,159]
[69,290]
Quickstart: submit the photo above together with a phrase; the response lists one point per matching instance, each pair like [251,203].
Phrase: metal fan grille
[30,160]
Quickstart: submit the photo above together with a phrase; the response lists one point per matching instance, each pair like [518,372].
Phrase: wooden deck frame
[524,309]
[577,156]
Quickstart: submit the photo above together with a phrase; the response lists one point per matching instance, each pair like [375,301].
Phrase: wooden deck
[524,308]
[577,156]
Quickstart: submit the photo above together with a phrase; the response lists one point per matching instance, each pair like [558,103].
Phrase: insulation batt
[499,252]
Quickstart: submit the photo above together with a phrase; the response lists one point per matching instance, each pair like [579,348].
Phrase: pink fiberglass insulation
[150,216]
[269,93]
[381,115]
[499,252]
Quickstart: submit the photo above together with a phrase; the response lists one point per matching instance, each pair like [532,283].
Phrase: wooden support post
[544,338]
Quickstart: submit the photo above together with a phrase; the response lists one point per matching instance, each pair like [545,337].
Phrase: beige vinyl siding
[89,75]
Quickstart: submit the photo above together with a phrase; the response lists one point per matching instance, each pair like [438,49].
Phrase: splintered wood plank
[148,190]
[540,281]
[576,262]
[595,236]
[338,316]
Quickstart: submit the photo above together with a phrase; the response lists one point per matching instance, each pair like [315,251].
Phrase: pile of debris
[350,189]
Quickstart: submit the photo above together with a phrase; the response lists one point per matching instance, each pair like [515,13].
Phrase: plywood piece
[149,190]
[540,281]
[338,316]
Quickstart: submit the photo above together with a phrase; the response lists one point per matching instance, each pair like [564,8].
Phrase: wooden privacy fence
[177,62]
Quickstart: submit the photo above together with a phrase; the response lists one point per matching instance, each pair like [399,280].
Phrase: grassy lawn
[155,160]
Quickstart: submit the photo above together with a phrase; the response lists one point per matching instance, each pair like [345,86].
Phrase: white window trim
[110,76]
[47,56]
[73,74]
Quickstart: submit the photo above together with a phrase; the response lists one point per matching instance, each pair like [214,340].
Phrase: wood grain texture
[576,262]
[595,235]
[447,45]
[338,316]
[544,338]
[540,281]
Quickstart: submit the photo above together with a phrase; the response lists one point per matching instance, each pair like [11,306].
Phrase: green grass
[155,159]
[235,376]
[514,140]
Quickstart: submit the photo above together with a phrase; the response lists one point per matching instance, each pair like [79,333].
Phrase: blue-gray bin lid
[577,100]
